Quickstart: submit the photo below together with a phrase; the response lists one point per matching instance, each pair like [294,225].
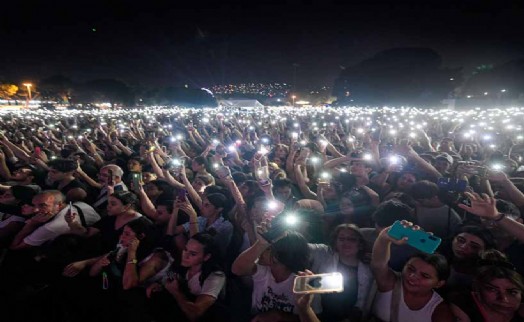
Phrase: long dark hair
[126,197]
[212,265]
[143,226]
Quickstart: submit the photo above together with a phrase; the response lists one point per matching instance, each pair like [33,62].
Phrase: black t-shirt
[108,234]
[514,253]
[70,186]
[338,306]
[8,210]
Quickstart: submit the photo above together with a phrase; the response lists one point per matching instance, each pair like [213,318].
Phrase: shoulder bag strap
[395,300]
[81,215]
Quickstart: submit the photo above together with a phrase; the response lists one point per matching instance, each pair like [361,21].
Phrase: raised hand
[481,205]
[303,301]
[384,234]
[133,246]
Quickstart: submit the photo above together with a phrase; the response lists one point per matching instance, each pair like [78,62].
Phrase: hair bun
[493,257]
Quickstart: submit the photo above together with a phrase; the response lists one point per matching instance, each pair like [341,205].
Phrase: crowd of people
[209,215]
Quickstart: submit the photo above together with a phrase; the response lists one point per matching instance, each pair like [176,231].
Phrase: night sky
[207,43]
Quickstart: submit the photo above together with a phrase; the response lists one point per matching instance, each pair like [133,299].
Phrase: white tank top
[163,272]
[382,307]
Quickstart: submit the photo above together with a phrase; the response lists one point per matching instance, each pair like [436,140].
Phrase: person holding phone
[151,196]
[118,279]
[121,209]
[191,290]
[411,295]
[61,176]
[109,181]
[272,295]
[344,254]
[303,303]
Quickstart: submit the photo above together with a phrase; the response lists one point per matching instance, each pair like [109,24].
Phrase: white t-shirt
[212,286]
[269,295]
[58,226]
[13,218]
[382,307]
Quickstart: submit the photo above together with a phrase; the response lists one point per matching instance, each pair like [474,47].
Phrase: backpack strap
[395,299]
[81,215]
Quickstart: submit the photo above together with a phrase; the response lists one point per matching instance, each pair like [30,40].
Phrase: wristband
[193,222]
[133,261]
[502,216]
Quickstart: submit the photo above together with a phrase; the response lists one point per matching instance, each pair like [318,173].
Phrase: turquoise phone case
[419,239]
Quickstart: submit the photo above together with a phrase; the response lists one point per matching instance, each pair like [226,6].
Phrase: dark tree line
[62,90]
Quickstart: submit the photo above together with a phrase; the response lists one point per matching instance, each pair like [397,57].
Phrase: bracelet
[132,261]
[502,216]
[193,222]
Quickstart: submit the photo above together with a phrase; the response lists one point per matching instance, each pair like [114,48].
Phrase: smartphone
[478,170]
[319,284]
[262,175]
[137,179]
[324,178]
[112,255]
[279,225]
[174,164]
[110,180]
[181,195]
[277,229]
[418,239]
[452,185]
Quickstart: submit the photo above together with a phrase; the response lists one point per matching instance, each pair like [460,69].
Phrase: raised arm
[304,189]
[82,175]
[20,153]
[384,276]
[146,204]
[510,189]
[4,170]
[193,194]
[245,263]
[407,151]
[133,275]
[336,162]
[485,207]
[186,207]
